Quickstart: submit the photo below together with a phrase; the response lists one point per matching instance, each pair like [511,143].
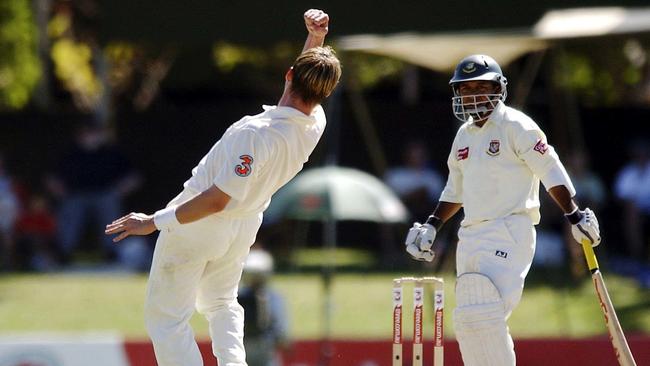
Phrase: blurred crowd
[50,227]
[61,226]
[58,223]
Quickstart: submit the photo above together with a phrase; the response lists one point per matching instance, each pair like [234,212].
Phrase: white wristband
[166,218]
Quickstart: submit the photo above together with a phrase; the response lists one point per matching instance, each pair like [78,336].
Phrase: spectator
[8,212]
[90,183]
[632,188]
[265,324]
[418,185]
[35,236]
[415,182]
[590,188]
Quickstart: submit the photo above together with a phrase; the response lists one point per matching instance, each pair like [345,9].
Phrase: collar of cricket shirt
[498,113]
[496,117]
[288,112]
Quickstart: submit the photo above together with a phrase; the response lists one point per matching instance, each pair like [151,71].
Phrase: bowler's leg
[217,295]
[169,304]
[217,301]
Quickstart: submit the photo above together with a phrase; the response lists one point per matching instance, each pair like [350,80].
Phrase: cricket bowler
[207,230]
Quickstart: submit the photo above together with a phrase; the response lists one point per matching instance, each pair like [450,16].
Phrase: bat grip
[592,262]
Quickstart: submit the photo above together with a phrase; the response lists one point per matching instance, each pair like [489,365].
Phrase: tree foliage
[615,72]
[20,68]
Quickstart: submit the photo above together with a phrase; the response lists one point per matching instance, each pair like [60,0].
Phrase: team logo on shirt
[462,154]
[244,169]
[540,147]
[493,149]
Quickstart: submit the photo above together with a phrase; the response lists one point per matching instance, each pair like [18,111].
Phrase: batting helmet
[475,68]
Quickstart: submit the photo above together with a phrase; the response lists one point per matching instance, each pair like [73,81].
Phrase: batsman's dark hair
[316,72]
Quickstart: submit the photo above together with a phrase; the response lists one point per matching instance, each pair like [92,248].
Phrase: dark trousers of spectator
[79,210]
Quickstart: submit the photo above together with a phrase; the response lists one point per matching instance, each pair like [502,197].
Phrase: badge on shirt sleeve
[540,147]
[244,169]
[462,154]
[494,148]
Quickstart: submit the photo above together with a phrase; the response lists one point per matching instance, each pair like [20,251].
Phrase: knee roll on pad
[480,323]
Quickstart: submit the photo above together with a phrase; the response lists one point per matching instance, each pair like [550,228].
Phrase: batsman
[496,163]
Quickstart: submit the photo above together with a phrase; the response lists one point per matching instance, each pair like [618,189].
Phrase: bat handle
[592,262]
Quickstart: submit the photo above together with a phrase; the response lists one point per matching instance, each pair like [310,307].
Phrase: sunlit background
[154,84]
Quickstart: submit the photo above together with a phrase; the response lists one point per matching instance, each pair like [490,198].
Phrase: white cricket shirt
[495,170]
[257,155]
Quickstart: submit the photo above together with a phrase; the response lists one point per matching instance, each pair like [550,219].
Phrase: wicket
[418,309]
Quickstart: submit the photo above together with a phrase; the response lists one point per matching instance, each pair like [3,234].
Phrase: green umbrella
[329,195]
[335,193]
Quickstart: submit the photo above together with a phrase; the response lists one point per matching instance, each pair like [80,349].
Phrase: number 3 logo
[244,169]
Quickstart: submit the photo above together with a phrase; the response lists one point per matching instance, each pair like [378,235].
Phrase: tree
[20,68]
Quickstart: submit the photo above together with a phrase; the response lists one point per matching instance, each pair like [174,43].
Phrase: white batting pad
[480,323]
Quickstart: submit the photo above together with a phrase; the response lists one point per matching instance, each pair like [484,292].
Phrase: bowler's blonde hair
[315,74]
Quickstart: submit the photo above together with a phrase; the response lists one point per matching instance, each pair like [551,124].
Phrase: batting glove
[419,241]
[584,225]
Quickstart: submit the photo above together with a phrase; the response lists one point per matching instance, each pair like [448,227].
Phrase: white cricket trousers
[501,249]
[199,265]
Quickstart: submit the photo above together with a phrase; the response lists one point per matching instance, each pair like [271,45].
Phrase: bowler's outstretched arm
[208,202]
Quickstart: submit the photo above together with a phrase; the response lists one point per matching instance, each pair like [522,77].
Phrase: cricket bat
[622,350]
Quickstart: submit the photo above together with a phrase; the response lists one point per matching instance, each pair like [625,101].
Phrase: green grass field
[361,306]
